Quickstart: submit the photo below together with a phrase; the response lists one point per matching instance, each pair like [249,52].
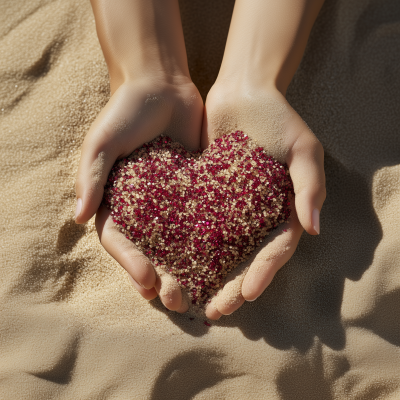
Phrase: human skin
[151,93]
[144,49]
[265,44]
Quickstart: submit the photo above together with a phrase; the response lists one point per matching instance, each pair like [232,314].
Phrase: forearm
[267,39]
[141,38]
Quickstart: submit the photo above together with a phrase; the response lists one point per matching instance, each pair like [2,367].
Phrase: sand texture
[72,326]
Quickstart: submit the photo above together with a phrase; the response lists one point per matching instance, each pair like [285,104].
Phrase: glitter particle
[198,215]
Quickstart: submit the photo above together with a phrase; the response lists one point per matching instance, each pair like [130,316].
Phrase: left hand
[266,117]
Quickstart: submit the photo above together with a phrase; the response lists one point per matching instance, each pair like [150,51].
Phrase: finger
[184,305]
[123,250]
[306,165]
[148,294]
[113,135]
[92,176]
[212,311]
[168,290]
[230,298]
[271,258]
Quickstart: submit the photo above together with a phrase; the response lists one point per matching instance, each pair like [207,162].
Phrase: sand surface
[71,325]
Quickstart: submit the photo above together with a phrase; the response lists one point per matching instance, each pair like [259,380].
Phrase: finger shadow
[193,324]
[294,382]
[69,235]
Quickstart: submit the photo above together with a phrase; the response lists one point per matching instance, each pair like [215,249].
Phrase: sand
[72,326]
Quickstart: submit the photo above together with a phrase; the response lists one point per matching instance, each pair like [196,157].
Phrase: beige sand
[71,325]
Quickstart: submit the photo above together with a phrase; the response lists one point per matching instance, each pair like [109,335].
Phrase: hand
[152,93]
[265,116]
[137,112]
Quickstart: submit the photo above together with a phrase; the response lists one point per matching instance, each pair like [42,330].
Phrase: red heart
[199,215]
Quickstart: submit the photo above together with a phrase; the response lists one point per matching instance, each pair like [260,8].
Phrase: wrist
[265,75]
[147,68]
[267,39]
[245,82]
[128,75]
[159,86]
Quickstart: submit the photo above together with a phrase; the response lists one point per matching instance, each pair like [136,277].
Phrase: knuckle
[319,188]
[309,143]
[323,193]
[318,148]
[312,146]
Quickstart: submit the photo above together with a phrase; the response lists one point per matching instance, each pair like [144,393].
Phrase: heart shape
[198,215]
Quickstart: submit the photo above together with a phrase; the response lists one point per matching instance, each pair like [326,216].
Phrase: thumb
[306,165]
[101,147]
[94,167]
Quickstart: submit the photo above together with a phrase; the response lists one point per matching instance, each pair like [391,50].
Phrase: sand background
[72,327]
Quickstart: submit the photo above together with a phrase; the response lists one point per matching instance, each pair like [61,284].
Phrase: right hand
[137,113]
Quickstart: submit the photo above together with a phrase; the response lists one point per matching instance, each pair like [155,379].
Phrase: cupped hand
[136,113]
[265,116]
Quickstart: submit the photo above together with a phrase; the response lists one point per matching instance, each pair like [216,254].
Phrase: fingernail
[78,208]
[315,220]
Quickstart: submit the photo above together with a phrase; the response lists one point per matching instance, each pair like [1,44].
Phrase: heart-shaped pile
[199,215]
